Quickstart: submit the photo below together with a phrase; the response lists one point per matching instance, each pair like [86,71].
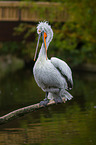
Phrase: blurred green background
[74,39]
[74,27]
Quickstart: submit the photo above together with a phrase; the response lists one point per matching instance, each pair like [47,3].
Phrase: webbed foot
[58,100]
[44,103]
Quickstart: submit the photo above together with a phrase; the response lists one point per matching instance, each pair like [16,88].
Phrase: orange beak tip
[34,59]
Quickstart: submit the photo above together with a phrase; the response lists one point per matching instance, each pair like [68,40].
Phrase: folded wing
[64,70]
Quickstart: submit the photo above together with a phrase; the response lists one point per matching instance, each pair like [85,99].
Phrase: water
[72,123]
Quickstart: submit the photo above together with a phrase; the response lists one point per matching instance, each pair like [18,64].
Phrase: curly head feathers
[44,26]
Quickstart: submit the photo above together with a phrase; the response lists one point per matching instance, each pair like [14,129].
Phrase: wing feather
[64,69]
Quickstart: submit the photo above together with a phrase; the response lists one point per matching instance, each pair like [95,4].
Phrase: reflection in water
[71,123]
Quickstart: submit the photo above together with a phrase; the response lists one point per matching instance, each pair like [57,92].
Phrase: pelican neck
[42,53]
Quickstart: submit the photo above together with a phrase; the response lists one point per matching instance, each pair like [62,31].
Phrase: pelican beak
[45,36]
[37,46]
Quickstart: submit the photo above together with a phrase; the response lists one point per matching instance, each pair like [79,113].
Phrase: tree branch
[20,112]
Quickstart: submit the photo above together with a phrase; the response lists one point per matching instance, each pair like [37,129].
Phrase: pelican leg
[58,100]
[45,102]
[46,94]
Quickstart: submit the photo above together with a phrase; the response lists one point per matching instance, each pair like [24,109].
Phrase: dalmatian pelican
[53,75]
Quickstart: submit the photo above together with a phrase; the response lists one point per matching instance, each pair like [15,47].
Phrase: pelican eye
[39,31]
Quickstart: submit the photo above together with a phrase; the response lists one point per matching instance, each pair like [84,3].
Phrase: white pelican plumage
[53,75]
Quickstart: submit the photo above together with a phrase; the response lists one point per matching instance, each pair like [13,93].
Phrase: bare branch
[20,112]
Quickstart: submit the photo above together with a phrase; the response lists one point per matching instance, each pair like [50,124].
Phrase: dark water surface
[72,123]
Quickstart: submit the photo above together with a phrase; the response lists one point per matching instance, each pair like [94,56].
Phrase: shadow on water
[71,123]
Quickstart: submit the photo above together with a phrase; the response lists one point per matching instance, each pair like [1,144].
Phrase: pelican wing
[64,69]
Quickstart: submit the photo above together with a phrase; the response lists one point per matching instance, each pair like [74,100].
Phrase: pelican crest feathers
[44,26]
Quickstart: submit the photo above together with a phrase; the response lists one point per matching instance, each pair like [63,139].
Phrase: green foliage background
[74,41]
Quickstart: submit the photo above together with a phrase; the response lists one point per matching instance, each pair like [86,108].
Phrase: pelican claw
[44,103]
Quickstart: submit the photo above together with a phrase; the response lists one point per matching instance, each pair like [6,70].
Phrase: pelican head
[44,30]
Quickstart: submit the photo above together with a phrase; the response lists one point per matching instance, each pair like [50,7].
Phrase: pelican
[53,75]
